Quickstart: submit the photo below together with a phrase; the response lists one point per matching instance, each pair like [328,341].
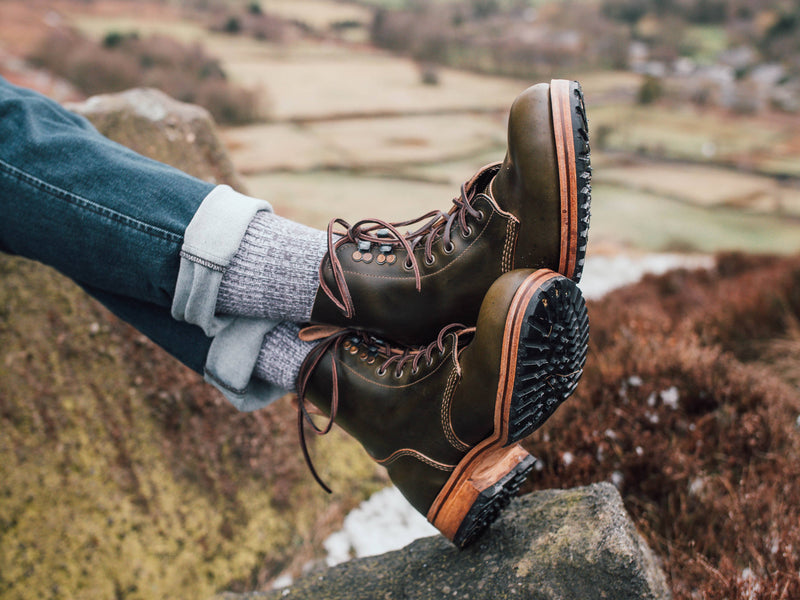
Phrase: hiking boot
[445,418]
[530,211]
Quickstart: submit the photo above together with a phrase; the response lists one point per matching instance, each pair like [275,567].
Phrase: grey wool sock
[282,353]
[275,272]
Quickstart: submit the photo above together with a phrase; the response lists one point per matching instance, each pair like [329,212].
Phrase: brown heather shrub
[695,424]
[124,61]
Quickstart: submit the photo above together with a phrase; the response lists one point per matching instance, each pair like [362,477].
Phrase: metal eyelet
[480,217]
[431,261]
[408,265]
[466,233]
[400,374]
[415,371]
[380,372]
[448,248]
[371,360]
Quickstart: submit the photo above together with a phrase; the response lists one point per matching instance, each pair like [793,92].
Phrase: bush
[650,90]
[689,404]
[123,61]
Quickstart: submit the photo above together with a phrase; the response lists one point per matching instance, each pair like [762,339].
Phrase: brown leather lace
[330,340]
[438,223]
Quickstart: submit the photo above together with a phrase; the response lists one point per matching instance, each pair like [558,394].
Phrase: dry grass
[318,14]
[707,186]
[754,142]
[698,431]
[364,144]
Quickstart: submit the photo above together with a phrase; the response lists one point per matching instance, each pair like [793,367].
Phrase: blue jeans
[104,216]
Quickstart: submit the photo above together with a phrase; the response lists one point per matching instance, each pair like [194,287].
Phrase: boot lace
[330,340]
[388,236]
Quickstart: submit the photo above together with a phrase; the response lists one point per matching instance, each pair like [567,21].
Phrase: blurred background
[353,109]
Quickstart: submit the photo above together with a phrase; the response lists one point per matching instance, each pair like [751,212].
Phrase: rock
[151,123]
[554,544]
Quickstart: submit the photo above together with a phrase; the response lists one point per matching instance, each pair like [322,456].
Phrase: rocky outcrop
[151,123]
[549,545]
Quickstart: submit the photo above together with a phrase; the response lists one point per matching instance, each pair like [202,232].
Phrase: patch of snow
[670,397]
[696,486]
[382,523]
[635,381]
[282,582]
[617,478]
[605,273]
[754,587]
[568,458]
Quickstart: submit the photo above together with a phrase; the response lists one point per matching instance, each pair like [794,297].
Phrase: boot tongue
[479,184]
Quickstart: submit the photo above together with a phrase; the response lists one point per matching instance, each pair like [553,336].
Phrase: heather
[690,405]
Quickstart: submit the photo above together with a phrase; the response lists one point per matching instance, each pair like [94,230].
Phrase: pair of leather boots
[496,278]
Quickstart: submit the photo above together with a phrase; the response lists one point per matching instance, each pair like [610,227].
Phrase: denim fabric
[106,217]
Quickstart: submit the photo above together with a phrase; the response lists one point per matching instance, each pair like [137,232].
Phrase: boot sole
[571,131]
[544,349]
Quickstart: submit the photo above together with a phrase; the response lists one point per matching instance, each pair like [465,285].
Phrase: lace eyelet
[380,372]
[466,233]
[408,265]
[400,374]
[448,248]
[481,216]
[431,261]
[415,371]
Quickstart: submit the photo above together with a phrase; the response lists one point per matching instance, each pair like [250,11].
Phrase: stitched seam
[507,252]
[447,422]
[222,384]
[414,454]
[202,261]
[89,205]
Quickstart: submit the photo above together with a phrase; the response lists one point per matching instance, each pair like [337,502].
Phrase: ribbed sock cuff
[275,272]
[281,356]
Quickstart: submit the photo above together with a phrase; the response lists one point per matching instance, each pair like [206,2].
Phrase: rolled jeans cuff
[210,243]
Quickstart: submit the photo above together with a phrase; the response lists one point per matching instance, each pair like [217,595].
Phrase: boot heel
[482,485]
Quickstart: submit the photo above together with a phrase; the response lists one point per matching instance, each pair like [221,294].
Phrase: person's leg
[116,223]
[94,210]
[279,359]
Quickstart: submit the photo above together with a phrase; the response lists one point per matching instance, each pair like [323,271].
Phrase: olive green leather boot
[530,211]
[444,419]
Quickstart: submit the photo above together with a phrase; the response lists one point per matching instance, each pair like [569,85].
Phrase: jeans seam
[87,204]
[202,261]
[239,392]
